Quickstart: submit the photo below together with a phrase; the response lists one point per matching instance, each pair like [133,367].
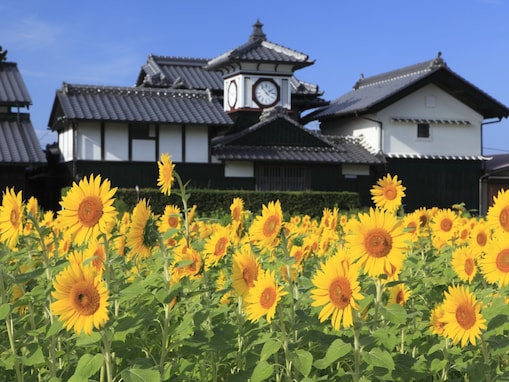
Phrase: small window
[423,130]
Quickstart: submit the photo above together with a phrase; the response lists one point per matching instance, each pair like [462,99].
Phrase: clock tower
[258,74]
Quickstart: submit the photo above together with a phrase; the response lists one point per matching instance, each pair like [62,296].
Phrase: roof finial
[3,54]
[257,34]
[438,61]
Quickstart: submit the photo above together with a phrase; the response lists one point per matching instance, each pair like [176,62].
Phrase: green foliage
[161,328]
[213,203]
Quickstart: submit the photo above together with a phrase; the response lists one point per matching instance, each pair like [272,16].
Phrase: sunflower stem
[378,299]
[10,329]
[107,355]
[284,335]
[356,351]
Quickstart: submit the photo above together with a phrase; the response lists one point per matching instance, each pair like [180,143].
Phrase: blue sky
[106,42]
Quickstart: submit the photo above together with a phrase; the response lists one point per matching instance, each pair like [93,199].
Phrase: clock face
[232,94]
[266,93]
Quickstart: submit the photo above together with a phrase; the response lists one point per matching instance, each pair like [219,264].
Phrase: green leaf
[84,339]
[337,349]
[5,309]
[379,358]
[437,365]
[35,357]
[302,360]
[141,375]
[270,347]
[262,371]
[394,313]
[88,365]
[55,327]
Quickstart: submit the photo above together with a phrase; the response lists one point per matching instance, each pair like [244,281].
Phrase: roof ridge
[71,89]
[396,74]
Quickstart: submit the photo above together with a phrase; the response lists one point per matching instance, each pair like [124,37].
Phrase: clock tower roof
[259,50]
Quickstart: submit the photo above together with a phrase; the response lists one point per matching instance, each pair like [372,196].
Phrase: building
[233,121]
[427,122]
[238,121]
[21,156]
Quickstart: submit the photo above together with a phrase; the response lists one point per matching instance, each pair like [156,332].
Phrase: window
[143,142]
[282,178]
[423,130]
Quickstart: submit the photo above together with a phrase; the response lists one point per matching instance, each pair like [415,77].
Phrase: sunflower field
[380,294]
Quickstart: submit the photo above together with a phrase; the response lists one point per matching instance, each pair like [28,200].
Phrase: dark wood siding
[438,183]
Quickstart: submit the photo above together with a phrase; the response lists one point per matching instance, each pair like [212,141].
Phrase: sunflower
[170,218]
[479,237]
[263,298]
[81,298]
[463,263]
[142,235]
[236,209]
[444,225]
[187,262]
[11,217]
[265,229]
[95,253]
[378,240]
[338,289]
[245,270]
[388,193]
[437,320]
[398,294]
[166,177]
[87,208]
[498,214]
[216,246]
[495,263]
[462,316]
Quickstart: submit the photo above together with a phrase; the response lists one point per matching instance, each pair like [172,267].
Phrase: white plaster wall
[170,141]
[89,141]
[116,142]
[197,144]
[401,138]
[238,169]
[354,169]
[368,128]
[65,144]
[144,150]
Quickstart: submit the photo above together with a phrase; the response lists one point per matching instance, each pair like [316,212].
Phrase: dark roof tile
[18,141]
[130,104]
[12,87]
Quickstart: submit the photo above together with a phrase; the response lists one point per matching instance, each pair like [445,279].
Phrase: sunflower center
[15,220]
[503,218]
[503,260]
[423,220]
[90,211]
[270,226]
[268,298]
[340,292]
[249,275]
[173,221]
[85,298]
[412,227]
[400,298]
[469,266]
[481,239]
[221,246]
[390,192]
[446,224]
[236,214]
[378,243]
[465,315]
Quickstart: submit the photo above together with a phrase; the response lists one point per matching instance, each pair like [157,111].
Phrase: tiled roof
[190,73]
[320,148]
[374,93]
[432,156]
[258,49]
[12,87]
[179,73]
[18,142]
[134,104]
